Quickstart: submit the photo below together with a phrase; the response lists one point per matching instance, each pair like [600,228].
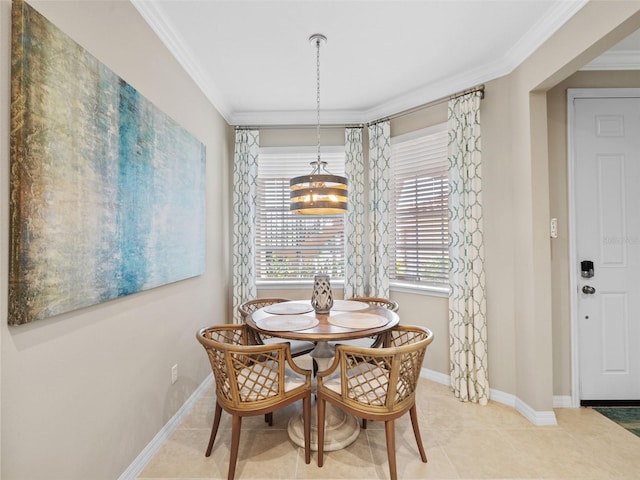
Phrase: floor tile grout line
[296,465]
[444,452]
[571,425]
[367,434]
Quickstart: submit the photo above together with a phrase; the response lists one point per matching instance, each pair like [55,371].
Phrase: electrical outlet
[174,374]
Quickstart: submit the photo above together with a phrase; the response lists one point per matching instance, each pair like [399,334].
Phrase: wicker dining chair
[253,380]
[377,301]
[375,340]
[376,384]
[298,347]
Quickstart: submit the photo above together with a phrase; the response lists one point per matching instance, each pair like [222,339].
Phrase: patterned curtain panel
[379,208]
[245,187]
[355,247]
[467,302]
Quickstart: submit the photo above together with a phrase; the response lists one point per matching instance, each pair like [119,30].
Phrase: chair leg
[268,418]
[214,428]
[236,423]
[416,431]
[321,408]
[306,418]
[364,423]
[390,433]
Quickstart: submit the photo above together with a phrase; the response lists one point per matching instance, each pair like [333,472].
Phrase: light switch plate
[553,227]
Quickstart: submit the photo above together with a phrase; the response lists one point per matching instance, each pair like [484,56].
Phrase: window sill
[400,287]
[293,284]
[429,290]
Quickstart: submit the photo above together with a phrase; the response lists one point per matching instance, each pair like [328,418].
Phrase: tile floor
[462,441]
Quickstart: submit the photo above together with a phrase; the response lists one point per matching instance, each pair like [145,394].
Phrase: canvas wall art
[107,192]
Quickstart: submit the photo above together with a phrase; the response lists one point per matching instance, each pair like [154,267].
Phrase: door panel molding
[608,127]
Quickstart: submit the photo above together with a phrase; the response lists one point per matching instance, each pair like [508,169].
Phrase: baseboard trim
[538,418]
[141,461]
[434,376]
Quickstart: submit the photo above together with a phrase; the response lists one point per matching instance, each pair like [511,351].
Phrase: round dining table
[347,320]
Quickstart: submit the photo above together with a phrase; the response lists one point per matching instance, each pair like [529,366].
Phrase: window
[291,246]
[419,220]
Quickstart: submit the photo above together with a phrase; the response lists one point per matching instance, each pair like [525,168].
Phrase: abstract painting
[107,194]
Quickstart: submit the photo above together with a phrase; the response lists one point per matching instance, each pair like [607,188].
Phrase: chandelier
[320,192]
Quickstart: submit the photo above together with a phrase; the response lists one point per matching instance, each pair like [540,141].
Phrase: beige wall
[290,137]
[83,393]
[527,285]
[499,210]
[559,208]
[524,185]
[595,28]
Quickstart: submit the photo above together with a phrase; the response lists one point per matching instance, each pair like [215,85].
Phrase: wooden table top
[326,331]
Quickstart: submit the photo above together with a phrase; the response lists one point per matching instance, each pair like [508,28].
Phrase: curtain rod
[479,88]
[300,126]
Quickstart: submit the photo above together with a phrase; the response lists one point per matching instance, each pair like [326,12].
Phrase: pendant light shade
[320,192]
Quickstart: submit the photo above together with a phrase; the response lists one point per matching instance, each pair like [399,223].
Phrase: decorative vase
[322,298]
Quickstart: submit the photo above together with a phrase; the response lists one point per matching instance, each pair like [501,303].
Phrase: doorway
[604,173]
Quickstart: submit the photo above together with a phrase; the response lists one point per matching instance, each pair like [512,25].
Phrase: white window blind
[293,246]
[419,222]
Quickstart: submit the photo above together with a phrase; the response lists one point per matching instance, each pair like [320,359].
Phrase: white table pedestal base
[341,429]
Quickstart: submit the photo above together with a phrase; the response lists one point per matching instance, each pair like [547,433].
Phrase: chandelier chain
[318,95]
[319,193]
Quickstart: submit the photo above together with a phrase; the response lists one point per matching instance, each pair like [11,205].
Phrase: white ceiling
[253,60]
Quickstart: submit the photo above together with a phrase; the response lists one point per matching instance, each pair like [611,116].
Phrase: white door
[606,170]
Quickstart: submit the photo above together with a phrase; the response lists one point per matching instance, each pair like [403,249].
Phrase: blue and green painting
[107,194]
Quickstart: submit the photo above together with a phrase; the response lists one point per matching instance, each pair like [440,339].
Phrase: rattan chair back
[376,383]
[379,301]
[298,348]
[252,380]
[250,306]
[373,340]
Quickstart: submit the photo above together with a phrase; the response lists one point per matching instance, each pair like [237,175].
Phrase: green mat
[627,417]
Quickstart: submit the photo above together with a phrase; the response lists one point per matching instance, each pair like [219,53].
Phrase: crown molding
[430,93]
[176,44]
[541,31]
[536,36]
[437,91]
[615,60]
[294,117]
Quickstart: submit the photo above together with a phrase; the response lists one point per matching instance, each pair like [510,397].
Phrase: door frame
[573,94]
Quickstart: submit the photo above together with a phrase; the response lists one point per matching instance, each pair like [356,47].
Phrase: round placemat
[288,308]
[358,320]
[349,305]
[286,323]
